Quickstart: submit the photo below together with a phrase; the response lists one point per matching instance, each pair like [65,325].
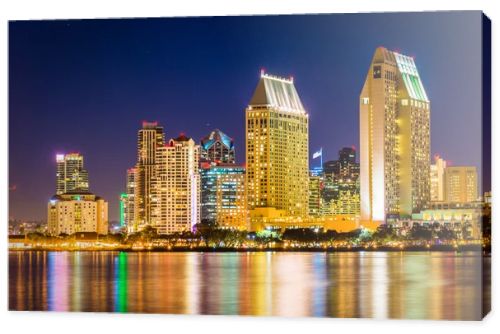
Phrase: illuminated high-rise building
[347,201]
[77,211]
[437,179]
[149,139]
[70,174]
[123,209]
[223,199]
[277,148]
[394,139]
[175,199]
[127,203]
[315,184]
[217,147]
[460,184]
[340,191]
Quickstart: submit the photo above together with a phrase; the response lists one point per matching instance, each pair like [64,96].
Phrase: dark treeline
[210,235]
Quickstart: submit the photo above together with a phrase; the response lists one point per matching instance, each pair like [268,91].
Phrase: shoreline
[435,248]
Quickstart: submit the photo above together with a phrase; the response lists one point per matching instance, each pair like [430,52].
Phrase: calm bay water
[416,285]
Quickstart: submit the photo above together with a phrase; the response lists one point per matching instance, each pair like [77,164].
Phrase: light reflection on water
[364,284]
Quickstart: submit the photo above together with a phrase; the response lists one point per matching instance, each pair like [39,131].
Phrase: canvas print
[297,165]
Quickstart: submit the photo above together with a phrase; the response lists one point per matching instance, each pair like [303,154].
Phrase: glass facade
[223,195]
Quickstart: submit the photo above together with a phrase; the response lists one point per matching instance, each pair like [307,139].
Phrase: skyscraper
[149,139]
[277,148]
[437,179]
[129,201]
[460,184]
[70,174]
[175,195]
[340,191]
[217,147]
[223,199]
[123,209]
[315,185]
[394,139]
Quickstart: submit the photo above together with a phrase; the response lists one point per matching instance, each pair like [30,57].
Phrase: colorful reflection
[121,282]
[58,281]
[365,284]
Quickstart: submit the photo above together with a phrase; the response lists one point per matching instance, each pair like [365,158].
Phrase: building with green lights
[123,209]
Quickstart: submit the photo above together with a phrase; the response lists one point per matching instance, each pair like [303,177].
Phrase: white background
[38,322]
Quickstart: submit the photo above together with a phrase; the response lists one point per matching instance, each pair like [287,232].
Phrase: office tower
[331,167]
[70,174]
[149,139]
[315,184]
[347,201]
[74,212]
[348,167]
[123,209]
[217,147]
[394,138]
[176,186]
[340,191]
[223,199]
[277,144]
[129,207]
[460,184]
[330,189]
[346,164]
[437,179]
[347,155]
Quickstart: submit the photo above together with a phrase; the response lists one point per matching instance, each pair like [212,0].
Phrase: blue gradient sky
[86,85]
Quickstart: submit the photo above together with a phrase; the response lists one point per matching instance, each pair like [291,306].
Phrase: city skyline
[189,115]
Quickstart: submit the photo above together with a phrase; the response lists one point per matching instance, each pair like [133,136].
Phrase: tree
[419,232]
[385,233]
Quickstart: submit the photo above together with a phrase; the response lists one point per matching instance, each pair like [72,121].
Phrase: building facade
[175,187]
[149,138]
[394,139]
[277,148]
[123,209]
[223,197]
[130,219]
[340,191]
[437,179]
[460,184]
[75,212]
[315,201]
[70,174]
[129,204]
[217,147]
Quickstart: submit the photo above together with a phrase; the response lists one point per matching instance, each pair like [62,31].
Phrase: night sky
[86,85]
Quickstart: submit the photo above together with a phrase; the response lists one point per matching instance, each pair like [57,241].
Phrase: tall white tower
[394,139]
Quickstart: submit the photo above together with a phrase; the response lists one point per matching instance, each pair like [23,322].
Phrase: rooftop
[215,136]
[408,70]
[277,92]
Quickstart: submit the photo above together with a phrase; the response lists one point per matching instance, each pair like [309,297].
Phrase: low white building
[70,213]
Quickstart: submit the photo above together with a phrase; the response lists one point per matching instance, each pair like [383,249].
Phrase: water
[420,285]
